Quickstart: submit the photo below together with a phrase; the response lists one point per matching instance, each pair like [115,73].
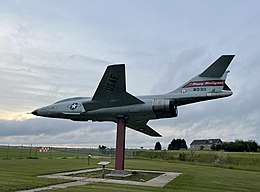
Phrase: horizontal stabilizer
[218,68]
[226,87]
[143,128]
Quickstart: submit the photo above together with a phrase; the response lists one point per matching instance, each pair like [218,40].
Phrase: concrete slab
[58,186]
[159,181]
[162,180]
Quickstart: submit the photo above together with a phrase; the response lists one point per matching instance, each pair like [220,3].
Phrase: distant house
[204,143]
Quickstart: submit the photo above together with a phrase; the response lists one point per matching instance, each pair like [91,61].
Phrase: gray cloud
[53,50]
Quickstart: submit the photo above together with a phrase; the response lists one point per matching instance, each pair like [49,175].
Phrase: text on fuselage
[111,83]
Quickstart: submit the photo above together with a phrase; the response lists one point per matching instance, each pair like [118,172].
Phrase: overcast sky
[55,49]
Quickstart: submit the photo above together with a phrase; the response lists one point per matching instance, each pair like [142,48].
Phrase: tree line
[237,146]
[176,144]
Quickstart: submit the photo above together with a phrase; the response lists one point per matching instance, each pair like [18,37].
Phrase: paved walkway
[159,181]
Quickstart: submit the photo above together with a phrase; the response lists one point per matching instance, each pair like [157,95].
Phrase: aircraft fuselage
[154,107]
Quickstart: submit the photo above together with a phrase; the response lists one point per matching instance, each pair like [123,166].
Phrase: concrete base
[119,173]
[159,181]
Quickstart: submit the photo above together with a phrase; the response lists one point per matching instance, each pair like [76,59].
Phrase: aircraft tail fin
[217,69]
[210,80]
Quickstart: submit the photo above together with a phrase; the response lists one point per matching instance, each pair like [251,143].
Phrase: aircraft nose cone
[35,112]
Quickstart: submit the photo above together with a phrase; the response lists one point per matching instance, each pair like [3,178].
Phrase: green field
[239,173]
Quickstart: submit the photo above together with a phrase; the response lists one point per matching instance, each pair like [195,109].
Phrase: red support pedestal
[120,144]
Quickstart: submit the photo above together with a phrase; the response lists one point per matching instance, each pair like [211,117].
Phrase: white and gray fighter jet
[111,100]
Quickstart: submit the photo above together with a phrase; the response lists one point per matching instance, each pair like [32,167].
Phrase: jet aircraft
[111,100]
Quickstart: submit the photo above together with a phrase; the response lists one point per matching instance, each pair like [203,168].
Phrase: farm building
[204,143]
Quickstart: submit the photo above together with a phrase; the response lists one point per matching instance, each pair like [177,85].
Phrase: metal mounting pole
[120,144]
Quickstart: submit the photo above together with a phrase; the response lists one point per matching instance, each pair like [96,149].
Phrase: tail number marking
[199,89]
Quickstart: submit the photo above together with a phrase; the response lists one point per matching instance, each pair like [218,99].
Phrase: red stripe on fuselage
[205,83]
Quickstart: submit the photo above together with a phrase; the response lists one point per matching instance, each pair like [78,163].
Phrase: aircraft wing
[111,91]
[143,128]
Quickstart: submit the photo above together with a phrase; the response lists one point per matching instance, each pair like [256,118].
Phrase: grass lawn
[21,173]
[17,174]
